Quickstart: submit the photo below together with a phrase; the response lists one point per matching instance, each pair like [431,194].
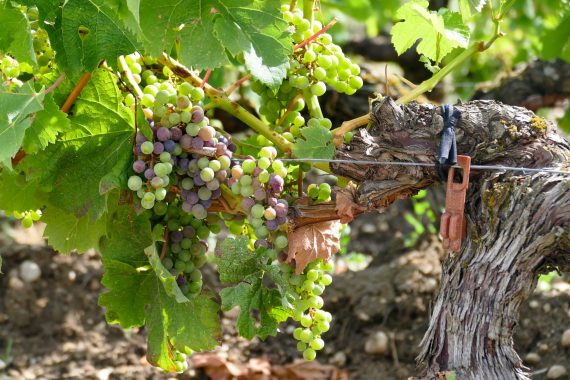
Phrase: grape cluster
[260,183]
[308,307]
[28,217]
[319,193]
[320,61]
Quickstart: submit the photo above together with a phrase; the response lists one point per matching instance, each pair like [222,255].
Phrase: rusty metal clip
[453,226]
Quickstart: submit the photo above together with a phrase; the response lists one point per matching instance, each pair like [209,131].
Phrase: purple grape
[272,202]
[189,232]
[223,140]
[259,194]
[187,207]
[272,225]
[206,203]
[181,280]
[232,147]
[276,183]
[247,204]
[261,243]
[231,181]
[149,173]
[192,198]
[234,163]
[139,166]
[280,209]
[209,144]
[158,148]
[213,184]
[256,171]
[169,146]
[221,149]
[193,165]
[281,219]
[216,193]
[186,142]
[197,115]
[222,175]
[255,183]
[198,181]
[283,201]
[197,143]
[137,150]
[183,163]
[176,133]
[163,134]
[176,236]
[140,138]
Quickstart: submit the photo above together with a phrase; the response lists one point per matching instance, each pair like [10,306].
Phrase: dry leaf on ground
[313,241]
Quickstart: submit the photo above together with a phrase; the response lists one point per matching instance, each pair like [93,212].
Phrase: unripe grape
[326,279]
[129,100]
[306,320]
[319,73]
[147,147]
[248,166]
[301,346]
[306,335]
[207,174]
[312,275]
[297,333]
[281,242]
[317,344]
[355,82]
[134,183]
[147,100]
[309,56]
[318,89]
[270,213]
[323,326]
[309,354]
[324,61]
[263,163]
[308,285]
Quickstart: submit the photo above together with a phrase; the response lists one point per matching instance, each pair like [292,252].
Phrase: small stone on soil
[377,343]
[565,340]
[30,271]
[532,358]
[556,372]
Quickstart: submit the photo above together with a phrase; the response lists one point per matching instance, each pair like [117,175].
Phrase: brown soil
[57,331]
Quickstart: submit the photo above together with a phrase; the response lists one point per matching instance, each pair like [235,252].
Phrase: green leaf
[93,156]
[17,194]
[237,261]
[440,32]
[15,35]
[317,143]
[65,232]
[193,324]
[128,275]
[469,7]
[207,29]
[556,43]
[563,122]
[15,111]
[167,279]
[85,32]
[47,124]
[253,299]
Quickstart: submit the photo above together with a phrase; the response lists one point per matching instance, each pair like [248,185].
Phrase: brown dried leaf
[303,370]
[313,241]
[219,368]
[346,208]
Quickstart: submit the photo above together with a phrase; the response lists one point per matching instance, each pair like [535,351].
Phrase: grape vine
[109,134]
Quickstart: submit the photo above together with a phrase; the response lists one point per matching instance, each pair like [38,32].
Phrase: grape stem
[238,83]
[315,36]
[55,84]
[126,72]
[289,109]
[220,99]
[313,104]
[309,11]
[206,77]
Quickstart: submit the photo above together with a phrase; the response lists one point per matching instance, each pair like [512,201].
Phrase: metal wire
[428,164]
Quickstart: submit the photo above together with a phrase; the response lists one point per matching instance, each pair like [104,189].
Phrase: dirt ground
[53,328]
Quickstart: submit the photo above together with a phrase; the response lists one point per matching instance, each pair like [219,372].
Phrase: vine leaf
[439,32]
[317,143]
[260,307]
[208,30]
[237,261]
[558,45]
[15,36]
[468,7]
[313,241]
[65,232]
[16,110]
[93,156]
[47,124]
[85,32]
[17,194]
[137,297]
[168,280]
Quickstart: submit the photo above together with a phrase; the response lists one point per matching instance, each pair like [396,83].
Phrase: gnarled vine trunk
[518,225]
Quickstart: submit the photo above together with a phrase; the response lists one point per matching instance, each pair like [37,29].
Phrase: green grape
[197,94]
[301,346]
[326,279]
[309,354]
[312,275]
[317,344]
[162,97]
[306,320]
[355,82]
[309,56]
[306,335]
[319,73]
[323,326]
[129,100]
[324,61]
[318,89]
[297,333]
[134,183]
[147,100]
[348,137]
[27,221]
[248,166]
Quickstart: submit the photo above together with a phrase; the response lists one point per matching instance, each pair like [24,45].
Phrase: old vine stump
[518,225]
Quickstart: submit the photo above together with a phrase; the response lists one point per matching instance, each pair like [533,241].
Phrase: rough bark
[540,84]
[518,226]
